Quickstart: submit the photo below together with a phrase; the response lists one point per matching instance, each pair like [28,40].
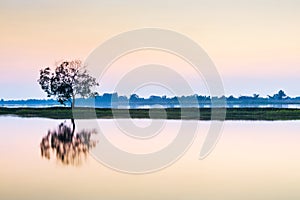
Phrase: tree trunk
[72,119]
[73,101]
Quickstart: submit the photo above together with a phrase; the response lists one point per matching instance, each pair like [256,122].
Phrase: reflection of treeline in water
[134,101]
[69,148]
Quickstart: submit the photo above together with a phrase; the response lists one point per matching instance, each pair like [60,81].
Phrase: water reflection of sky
[251,160]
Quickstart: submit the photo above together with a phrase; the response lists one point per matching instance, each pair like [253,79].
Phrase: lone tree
[69,79]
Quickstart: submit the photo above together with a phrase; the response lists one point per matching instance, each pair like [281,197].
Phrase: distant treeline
[134,101]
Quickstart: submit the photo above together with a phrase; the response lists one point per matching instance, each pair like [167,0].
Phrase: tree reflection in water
[69,149]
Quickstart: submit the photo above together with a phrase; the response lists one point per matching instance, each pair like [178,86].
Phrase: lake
[252,160]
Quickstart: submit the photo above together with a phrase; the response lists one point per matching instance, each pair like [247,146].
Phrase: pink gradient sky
[255,45]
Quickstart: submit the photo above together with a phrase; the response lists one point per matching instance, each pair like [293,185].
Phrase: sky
[255,45]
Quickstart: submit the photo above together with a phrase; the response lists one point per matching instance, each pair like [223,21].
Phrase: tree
[279,96]
[70,78]
[255,96]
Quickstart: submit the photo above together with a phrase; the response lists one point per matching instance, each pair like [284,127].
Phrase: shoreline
[253,114]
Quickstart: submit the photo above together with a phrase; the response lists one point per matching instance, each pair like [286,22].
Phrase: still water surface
[252,160]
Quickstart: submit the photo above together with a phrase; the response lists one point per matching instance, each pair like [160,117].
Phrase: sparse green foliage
[68,80]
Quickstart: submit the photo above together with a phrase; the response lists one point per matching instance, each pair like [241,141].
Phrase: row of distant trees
[109,100]
[135,100]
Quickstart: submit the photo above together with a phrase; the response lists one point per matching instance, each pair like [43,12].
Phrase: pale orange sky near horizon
[255,45]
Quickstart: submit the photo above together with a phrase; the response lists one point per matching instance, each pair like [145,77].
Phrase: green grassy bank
[170,113]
